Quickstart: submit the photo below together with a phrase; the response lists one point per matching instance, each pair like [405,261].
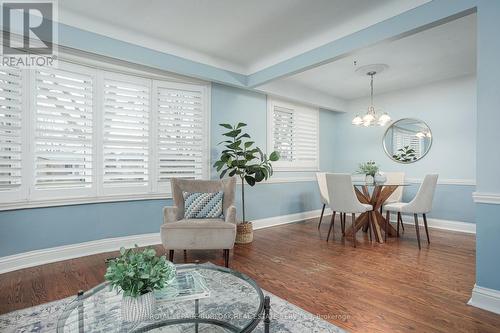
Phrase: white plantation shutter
[283,129]
[294,133]
[11,120]
[402,138]
[181,131]
[126,141]
[63,133]
[78,134]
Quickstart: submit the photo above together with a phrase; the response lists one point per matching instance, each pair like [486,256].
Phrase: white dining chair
[397,195]
[421,204]
[343,200]
[323,193]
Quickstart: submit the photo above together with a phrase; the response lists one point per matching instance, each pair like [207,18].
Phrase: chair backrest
[227,185]
[323,189]
[422,203]
[395,178]
[341,193]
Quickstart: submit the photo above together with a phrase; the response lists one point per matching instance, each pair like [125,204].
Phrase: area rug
[285,317]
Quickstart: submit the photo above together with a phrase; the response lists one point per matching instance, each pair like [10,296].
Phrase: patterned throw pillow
[203,205]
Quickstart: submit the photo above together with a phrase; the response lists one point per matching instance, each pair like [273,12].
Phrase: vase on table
[369,179]
[380,178]
[140,308]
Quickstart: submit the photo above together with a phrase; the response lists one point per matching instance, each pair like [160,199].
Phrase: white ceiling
[439,53]
[239,35]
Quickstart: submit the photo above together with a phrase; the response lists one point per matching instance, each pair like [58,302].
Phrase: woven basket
[244,233]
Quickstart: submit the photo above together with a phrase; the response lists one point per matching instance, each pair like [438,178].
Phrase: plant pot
[139,308]
[244,233]
[369,179]
[380,178]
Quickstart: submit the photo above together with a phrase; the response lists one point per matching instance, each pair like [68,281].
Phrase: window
[182,127]
[293,131]
[11,132]
[126,133]
[402,138]
[62,139]
[87,134]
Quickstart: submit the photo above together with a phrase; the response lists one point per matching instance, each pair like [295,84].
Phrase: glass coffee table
[220,300]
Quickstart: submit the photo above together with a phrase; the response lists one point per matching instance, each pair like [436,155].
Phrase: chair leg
[353,230]
[401,221]
[171,255]
[370,225]
[426,229]
[342,225]
[417,229]
[321,217]
[226,258]
[387,218]
[397,227]
[332,222]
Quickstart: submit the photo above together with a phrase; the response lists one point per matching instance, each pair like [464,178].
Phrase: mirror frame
[387,130]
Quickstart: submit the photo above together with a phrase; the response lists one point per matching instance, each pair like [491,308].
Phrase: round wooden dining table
[379,193]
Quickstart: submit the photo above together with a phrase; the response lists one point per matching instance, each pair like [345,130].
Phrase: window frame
[296,108]
[26,196]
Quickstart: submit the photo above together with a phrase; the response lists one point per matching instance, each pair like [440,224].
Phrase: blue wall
[32,229]
[488,137]
[449,108]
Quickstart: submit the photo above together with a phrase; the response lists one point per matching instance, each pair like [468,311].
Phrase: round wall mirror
[407,140]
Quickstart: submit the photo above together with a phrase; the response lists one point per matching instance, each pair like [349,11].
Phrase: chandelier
[371,118]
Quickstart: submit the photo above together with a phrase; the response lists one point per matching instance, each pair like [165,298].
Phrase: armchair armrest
[231,214]
[170,214]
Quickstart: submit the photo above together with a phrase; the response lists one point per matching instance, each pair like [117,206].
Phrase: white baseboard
[485,298]
[285,219]
[59,253]
[65,252]
[459,226]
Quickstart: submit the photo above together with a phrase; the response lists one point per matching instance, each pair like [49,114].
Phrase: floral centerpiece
[369,169]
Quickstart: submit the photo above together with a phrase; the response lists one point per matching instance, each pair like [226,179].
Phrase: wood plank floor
[389,287]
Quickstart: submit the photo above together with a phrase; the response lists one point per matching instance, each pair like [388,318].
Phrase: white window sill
[80,201]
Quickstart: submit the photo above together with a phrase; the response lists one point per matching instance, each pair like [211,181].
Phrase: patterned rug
[285,317]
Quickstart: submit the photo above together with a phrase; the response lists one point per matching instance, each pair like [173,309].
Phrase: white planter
[380,178]
[138,308]
[369,179]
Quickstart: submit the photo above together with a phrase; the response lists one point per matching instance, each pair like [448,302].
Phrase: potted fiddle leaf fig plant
[242,159]
[137,274]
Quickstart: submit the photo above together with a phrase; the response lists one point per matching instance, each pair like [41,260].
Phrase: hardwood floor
[390,287]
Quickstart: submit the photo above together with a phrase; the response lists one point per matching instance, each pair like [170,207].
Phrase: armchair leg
[226,258]
[171,255]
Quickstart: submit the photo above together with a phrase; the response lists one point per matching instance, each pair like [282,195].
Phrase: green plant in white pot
[137,274]
[240,158]
[369,169]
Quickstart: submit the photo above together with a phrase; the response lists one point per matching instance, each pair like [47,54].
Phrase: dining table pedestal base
[373,219]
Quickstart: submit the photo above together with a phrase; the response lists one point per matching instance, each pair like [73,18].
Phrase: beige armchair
[178,233]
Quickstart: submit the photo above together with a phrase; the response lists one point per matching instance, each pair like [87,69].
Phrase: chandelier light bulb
[357,120]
